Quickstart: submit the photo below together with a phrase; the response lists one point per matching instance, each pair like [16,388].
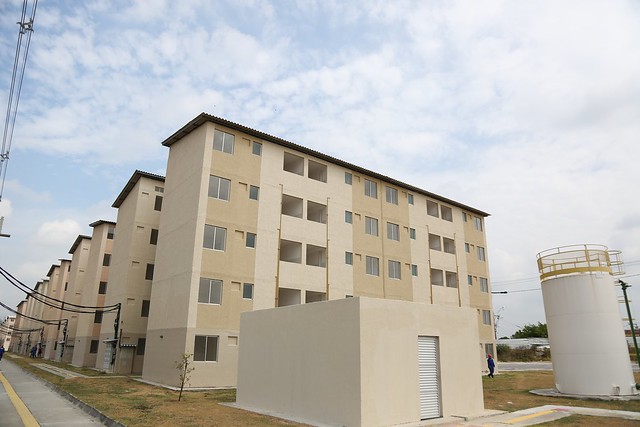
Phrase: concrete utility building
[250,221]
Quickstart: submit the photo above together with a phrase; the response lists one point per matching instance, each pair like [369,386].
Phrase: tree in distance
[532,331]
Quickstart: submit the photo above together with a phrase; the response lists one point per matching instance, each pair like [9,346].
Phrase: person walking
[491,364]
[1,352]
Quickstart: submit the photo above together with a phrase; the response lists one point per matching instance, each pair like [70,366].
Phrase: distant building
[6,328]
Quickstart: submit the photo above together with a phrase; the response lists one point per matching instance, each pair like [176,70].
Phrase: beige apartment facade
[131,273]
[55,331]
[251,221]
[6,328]
[90,318]
[72,292]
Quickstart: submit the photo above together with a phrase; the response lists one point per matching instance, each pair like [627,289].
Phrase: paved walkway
[27,401]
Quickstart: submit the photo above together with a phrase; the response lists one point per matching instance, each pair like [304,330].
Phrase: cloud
[58,232]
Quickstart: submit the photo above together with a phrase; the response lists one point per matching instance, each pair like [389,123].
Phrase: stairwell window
[247,290]
[149,273]
[348,178]
[157,206]
[348,258]
[256,148]
[97,318]
[412,233]
[486,317]
[223,141]
[410,198]
[481,254]
[348,217]
[484,284]
[254,192]
[393,231]
[477,221]
[251,240]
[144,311]
[414,270]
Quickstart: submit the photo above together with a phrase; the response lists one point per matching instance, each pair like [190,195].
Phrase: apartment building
[131,271]
[17,345]
[6,328]
[58,276]
[94,288]
[251,221]
[72,291]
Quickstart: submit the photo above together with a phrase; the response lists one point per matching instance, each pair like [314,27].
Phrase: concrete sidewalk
[45,406]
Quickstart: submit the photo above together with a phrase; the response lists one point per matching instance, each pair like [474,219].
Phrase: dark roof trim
[100,222]
[131,183]
[204,117]
[53,267]
[77,242]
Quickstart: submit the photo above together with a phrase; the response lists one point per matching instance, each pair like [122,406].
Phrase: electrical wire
[17,77]
[44,298]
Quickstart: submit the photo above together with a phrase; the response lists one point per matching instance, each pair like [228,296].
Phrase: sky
[527,110]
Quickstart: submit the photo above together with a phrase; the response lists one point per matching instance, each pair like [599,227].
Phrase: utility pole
[624,287]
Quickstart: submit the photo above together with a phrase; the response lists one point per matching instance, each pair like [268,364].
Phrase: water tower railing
[578,259]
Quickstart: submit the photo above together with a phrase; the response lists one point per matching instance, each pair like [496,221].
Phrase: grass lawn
[137,404]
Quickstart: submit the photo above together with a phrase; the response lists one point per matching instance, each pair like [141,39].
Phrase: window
[219,188]
[432,208]
[205,349]
[414,270]
[486,317]
[93,347]
[348,217]
[394,269]
[317,171]
[316,256]
[437,277]
[373,265]
[154,236]
[446,213]
[477,221]
[370,226]
[254,192]
[210,291]
[97,318]
[470,280]
[144,312]
[449,245]
[148,275]
[348,258]
[106,261]
[102,288]
[111,231]
[412,233]
[159,189]
[256,148]
[223,141]
[293,164]
[393,231]
[251,240]
[392,195]
[348,178]
[66,285]
[215,237]
[247,290]
[142,343]
[410,198]
[467,248]
[370,189]
[484,284]
[452,279]
[434,242]
[464,216]
[481,254]
[157,206]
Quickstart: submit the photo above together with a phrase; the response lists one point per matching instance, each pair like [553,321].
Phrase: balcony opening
[311,296]
[317,171]
[292,206]
[293,164]
[452,279]
[316,212]
[436,277]
[432,208]
[290,251]
[316,256]
[288,297]
[449,245]
[434,242]
[446,213]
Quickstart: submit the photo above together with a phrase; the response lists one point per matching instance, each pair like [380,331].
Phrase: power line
[19,65]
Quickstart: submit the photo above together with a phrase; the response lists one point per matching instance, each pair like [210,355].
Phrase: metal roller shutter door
[429,378]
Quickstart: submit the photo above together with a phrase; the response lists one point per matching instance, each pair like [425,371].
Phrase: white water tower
[586,335]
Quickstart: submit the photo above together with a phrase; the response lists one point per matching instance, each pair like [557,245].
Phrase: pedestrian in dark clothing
[1,352]
[33,351]
[491,364]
